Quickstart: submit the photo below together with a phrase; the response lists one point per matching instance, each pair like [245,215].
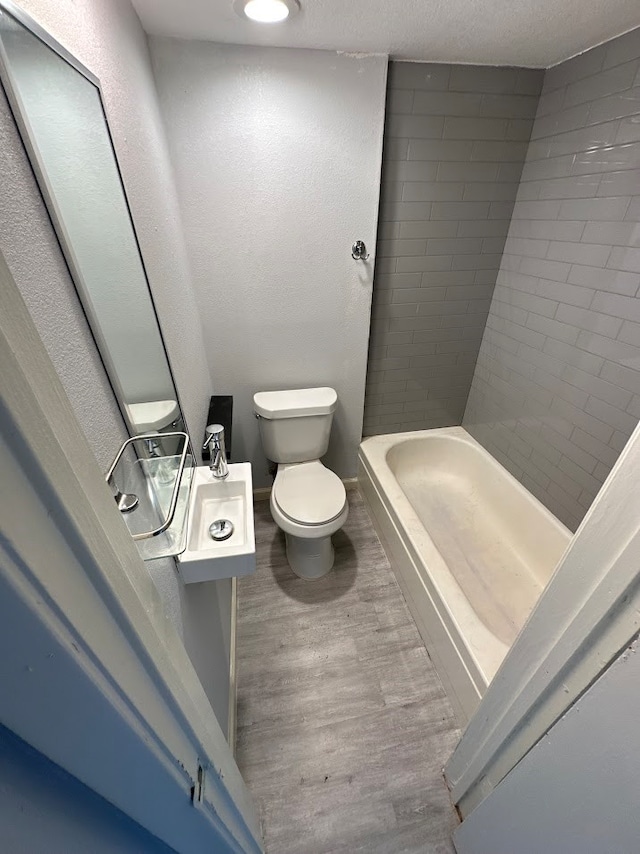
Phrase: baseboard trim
[262,494]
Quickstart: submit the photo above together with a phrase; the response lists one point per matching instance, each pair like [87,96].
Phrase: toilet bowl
[308,501]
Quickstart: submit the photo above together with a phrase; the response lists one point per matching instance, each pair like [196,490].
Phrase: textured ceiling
[493,32]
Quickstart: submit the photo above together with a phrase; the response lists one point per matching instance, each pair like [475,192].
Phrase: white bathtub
[471,548]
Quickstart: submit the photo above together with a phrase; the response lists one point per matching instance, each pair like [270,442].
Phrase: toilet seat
[309,494]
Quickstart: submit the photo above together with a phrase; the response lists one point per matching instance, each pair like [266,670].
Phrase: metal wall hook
[359,251]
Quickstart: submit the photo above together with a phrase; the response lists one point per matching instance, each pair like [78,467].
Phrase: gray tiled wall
[455,142]
[556,391]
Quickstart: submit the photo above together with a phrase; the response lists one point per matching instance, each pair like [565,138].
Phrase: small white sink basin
[206,559]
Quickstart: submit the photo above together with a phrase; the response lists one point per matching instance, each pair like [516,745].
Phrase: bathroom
[434,225]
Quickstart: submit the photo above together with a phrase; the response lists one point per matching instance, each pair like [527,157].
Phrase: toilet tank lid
[295,402]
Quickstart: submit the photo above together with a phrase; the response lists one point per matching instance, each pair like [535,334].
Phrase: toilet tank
[295,425]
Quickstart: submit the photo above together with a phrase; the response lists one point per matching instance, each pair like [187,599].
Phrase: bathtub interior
[472,549]
[500,546]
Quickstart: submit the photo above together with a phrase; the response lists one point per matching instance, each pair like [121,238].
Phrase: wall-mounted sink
[228,500]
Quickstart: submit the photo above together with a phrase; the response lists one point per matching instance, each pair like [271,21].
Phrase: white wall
[108,39]
[576,791]
[277,155]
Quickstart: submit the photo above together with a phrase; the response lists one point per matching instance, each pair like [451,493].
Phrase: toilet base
[310,559]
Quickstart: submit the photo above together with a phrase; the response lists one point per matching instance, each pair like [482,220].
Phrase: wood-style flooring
[343,724]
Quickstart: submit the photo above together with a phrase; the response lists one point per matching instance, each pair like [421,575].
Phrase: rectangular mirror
[59,112]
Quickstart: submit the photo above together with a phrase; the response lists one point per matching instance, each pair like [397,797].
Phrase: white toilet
[308,502]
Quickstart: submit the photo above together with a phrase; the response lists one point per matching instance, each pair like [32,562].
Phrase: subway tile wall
[455,143]
[556,390]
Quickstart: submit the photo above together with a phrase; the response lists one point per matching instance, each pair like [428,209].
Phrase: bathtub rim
[460,686]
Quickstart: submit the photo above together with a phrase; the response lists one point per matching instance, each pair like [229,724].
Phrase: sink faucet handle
[214,433]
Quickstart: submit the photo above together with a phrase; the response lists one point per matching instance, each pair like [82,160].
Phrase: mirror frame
[51,207]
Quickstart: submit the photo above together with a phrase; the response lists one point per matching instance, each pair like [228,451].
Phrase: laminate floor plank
[343,724]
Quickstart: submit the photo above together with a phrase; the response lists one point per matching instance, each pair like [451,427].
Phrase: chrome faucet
[217,451]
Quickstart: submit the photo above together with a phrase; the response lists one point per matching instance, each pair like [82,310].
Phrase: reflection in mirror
[59,112]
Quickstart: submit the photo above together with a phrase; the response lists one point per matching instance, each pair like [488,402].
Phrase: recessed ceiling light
[266,11]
